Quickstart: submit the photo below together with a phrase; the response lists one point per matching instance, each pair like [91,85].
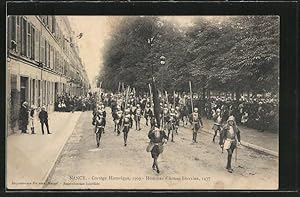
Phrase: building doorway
[55,91]
[24,89]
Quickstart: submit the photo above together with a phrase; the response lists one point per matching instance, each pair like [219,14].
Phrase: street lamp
[162,60]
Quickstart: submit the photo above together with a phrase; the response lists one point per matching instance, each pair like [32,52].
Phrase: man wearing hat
[43,116]
[229,139]
[23,117]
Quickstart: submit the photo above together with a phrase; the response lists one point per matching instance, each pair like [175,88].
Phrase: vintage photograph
[142,102]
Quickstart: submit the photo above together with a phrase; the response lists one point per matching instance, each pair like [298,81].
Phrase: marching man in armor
[172,124]
[99,126]
[148,114]
[196,122]
[217,123]
[177,118]
[132,115]
[229,139]
[165,116]
[117,117]
[126,125]
[157,138]
[137,117]
[102,109]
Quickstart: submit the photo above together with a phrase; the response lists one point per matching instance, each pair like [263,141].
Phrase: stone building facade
[42,63]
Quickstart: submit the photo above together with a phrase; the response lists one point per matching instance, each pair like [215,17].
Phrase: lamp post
[162,62]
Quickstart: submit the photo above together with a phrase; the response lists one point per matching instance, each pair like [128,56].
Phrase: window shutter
[24,36]
[49,55]
[45,53]
[42,51]
[18,33]
[9,31]
[28,43]
[32,43]
[37,45]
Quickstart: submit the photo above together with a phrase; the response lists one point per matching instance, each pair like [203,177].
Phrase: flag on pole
[119,86]
[174,99]
[150,94]
[190,83]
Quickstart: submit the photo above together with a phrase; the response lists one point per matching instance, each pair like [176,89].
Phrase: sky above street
[96,29]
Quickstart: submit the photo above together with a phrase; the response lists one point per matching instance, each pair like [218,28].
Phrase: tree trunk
[238,94]
[203,93]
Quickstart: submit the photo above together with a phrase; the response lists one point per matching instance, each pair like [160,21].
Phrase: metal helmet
[196,109]
[231,118]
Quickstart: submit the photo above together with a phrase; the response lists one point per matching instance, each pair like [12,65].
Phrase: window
[42,53]
[46,20]
[53,24]
[39,93]
[51,57]
[44,92]
[54,58]
[29,41]
[37,45]
[12,32]
[18,34]
[32,42]
[24,37]
[48,92]
[46,53]
[33,91]
[43,18]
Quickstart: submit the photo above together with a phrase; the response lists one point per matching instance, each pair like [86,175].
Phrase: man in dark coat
[23,117]
[43,116]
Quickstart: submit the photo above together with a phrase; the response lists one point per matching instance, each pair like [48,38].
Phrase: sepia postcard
[142,102]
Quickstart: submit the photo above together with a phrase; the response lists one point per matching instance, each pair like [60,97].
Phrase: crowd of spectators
[70,103]
[254,112]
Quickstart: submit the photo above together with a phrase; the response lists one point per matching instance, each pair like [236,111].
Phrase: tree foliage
[238,54]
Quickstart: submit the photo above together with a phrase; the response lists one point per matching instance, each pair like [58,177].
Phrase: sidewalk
[30,158]
[267,141]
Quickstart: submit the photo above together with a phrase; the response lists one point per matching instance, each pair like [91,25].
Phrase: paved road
[183,165]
